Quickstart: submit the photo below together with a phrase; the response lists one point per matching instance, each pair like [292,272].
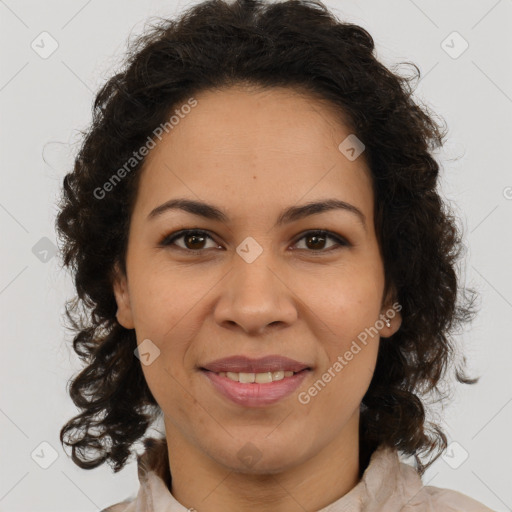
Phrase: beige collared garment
[387,485]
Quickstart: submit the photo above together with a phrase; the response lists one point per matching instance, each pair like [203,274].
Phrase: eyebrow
[291,214]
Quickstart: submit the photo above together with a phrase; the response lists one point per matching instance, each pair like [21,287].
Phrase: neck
[201,483]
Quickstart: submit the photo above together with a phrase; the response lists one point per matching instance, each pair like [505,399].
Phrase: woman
[254,225]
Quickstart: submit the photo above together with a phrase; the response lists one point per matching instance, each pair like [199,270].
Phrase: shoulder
[152,467]
[447,500]
[419,498]
[123,506]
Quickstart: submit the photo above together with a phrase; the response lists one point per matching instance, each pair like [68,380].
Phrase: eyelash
[168,240]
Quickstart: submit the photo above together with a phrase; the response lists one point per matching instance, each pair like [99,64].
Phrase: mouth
[258,378]
[251,389]
[245,365]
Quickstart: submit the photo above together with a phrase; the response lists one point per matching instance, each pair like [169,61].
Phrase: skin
[252,153]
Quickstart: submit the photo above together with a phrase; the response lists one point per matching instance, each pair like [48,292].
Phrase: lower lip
[254,394]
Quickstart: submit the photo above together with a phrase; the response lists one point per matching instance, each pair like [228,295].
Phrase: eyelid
[168,240]
[340,241]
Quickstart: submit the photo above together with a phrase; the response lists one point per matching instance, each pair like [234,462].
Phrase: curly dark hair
[297,44]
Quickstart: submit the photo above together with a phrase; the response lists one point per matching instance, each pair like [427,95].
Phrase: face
[251,282]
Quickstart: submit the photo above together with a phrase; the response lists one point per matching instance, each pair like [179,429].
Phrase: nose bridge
[255,295]
[253,275]
[253,268]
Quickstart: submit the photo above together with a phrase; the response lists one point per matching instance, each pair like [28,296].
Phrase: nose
[256,297]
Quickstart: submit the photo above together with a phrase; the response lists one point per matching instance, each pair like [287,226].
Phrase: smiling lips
[239,364]
[255,382]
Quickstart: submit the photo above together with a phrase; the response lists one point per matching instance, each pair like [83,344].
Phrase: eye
[194,238]
[318,239]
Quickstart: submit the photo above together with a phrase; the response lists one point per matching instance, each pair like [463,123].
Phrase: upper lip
[245,364]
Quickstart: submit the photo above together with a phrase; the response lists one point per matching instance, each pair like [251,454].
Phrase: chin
[253,458]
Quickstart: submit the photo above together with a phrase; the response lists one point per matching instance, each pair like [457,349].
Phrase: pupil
[316,238]
[192,237]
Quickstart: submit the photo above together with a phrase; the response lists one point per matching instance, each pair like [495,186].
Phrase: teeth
[259,378]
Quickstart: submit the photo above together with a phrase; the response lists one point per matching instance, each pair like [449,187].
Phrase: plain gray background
[46,101]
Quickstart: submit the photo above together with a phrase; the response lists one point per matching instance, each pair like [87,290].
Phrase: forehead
[249,147]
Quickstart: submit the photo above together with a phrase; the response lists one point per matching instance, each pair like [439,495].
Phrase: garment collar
[386,484]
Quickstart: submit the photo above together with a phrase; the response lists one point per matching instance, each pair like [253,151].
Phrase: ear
[390,311]
[124,311]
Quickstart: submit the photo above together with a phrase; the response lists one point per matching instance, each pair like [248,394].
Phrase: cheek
[349,307]
[347,370]
[348,301]
[159,322]
[160,302]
